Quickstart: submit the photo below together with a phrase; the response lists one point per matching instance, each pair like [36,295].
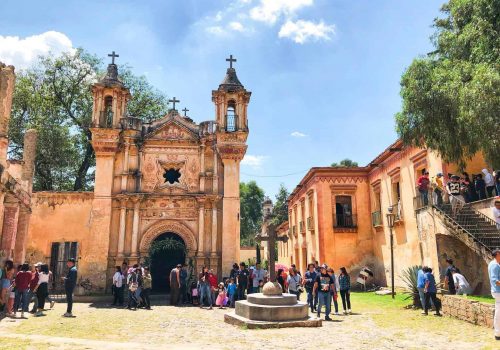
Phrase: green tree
[251,198]
[451,97]
[345,163]
[280,210]
[54,97]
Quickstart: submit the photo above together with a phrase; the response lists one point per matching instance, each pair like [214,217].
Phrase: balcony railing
[422,200]
[310,223]
[301,227]
[345,220]
[377,218]
[231,123]
[397,210]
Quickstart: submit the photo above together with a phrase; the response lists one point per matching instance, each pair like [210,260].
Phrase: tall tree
[280,210]
[251,198]
[451,97]
[54,97]
[345,163]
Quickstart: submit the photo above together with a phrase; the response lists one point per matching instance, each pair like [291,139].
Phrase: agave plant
[409,277]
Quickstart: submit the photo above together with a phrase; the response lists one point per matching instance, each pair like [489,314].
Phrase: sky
[324,74]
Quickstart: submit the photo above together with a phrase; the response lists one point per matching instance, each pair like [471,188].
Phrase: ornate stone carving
[235,152]
[169,226]
[173,207]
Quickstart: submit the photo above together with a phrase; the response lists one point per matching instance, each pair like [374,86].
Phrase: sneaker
[38,314]
[52,303]
[327,318]
[337,313]
[345,312]
[349,311]
[68,314]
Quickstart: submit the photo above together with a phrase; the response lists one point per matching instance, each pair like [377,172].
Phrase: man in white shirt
[257,276]
[118,286]
[461,284]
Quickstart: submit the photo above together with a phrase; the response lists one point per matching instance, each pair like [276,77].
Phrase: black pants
[429,297]
[183,293]
[241,292]
[118,295]
[69,299]
[346,299]
[41,294]
[145,297]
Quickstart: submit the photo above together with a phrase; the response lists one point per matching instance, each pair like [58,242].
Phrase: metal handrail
[345,221]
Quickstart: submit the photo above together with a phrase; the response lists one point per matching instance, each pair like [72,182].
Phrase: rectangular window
[343,212]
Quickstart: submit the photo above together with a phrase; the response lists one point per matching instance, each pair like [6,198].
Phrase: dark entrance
[166,251]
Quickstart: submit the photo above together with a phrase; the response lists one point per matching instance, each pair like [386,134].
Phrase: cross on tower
[113,55]
[185,110]
[231,60]
[174,101]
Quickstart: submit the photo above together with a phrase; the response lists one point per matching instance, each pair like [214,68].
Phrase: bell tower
[231,100]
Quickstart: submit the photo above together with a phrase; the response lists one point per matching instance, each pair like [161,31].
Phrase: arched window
[231,117]
[108,112]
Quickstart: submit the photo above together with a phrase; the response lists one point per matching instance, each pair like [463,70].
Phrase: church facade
[167,178]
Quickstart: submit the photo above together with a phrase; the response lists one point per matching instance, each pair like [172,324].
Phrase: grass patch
[482,299]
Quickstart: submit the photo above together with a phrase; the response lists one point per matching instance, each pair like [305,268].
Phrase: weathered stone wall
[472,311]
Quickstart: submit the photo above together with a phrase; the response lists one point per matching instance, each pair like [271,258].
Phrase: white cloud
[302,31]
[298,134]
[216,30]
[236,26]
[270,10]
[21,52]
[253,161]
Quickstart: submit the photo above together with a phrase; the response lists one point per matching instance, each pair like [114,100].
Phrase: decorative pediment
[173,128]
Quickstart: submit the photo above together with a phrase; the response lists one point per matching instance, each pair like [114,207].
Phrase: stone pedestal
[271,309]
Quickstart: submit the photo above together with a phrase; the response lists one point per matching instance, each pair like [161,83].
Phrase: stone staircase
[473,228]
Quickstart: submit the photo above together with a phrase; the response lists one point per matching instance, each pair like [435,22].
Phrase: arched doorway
[166,251]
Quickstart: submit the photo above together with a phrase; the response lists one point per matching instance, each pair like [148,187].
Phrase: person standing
[231,292]
[497,182]
[345,290]
[132,285]
[69,286]
[258,275]
[489,181]
[242,280]
[280,279]
[480,185]
[430,292]
[22,284]
[494,275]
[455,195]
[147,284]
[423,187]
[6,277]
[448,277]
[421,287]
[294,282]
[175,283]
[183,287]
[323,285]
[309,280]
[118,287]
[42,288]
[437,184]
[334,290]
[205,292]
[33,284]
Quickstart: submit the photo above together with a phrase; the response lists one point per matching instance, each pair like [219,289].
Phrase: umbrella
[278,266]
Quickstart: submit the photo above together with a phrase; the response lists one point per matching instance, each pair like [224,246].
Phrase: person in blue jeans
[205,292]
[421,287]
[309,279]
[231,291]
[323,285]
[430,291]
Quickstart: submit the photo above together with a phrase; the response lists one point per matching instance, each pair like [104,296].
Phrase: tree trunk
[84,167]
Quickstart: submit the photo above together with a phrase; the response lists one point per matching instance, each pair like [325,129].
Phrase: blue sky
[324,74]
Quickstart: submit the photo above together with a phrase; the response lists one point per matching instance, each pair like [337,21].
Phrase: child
[194,294]
[221,291]
[231,291]
[261,285]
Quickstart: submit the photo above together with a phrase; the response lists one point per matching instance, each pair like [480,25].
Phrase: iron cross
[113,55]
[231,60]
[185,110]
[174,101]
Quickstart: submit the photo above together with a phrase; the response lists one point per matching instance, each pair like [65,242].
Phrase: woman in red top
[22,284]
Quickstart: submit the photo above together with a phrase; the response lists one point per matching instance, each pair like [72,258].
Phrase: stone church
[168,178]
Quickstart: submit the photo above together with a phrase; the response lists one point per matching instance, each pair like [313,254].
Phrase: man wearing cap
[437,184]
[322,286]
[494,274]
[69,286]
[423,187]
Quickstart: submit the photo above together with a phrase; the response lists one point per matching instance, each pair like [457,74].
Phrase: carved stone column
[214,229]
[202,168]
[125,166]
[9,227]
[201,228]
[123,226]
[22,235]
[215,184]
[135,225]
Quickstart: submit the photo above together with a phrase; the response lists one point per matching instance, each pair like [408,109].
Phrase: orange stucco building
[338,216]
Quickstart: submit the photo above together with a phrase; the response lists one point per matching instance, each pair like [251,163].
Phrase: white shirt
[460,281]
[293,282]
[43,278]
[496,215]
[118,279]
[258,275]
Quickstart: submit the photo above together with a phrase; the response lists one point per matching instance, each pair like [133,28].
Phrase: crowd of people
[23,285]
[462,188]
